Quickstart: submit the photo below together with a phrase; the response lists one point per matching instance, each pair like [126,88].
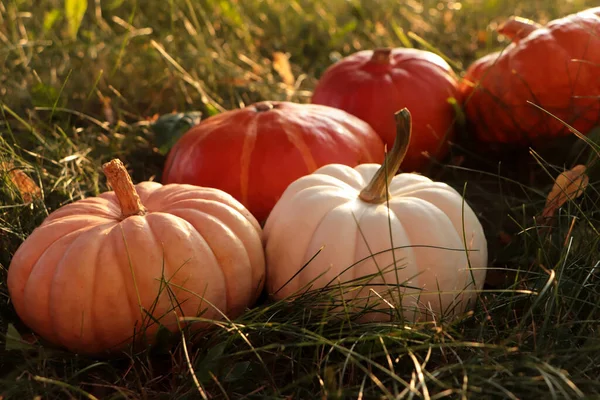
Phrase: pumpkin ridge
[208,194]
[78,231]
[329,171]
[107,258]
[167,274]
[422,204]
[381,276]
[93,298]
[165,193]
[60,267]
[273,227]
[230,209]
[226,230]
[89,219]
[134,308]
[146,189]
[27,312]
[461,230]
[297,140]
[178,205]
[422,275]
[246,157]
[333,269]
[191,231]
[583,56]
[410,190]
[80,208]
[428,203]
[397,243]
[359,236]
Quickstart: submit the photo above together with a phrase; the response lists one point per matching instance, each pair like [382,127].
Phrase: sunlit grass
[68,105]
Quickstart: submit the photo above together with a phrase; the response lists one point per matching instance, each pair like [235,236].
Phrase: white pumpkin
[441,249]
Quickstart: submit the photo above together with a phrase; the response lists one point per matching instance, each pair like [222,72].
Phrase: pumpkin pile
[337,207]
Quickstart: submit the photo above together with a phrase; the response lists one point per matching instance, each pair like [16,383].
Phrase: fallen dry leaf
[568,186]
[504,237]
[26,186]
[107,110]
[281,64]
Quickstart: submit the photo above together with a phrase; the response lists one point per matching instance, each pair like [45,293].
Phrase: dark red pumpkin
[556,67]
[255,152]
[373,85]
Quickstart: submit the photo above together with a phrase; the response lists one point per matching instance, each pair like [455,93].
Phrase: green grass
[71,103]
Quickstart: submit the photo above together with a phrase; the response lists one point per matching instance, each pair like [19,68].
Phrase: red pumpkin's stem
[264,106]
[120,181]
[377,190]
[517,28]
[381,56]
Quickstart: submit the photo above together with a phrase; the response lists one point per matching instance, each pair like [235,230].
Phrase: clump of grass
[68,105]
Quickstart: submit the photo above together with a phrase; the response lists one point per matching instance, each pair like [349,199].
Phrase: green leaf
[163,340]
[211,110]
[210,363]
[114,4]
[14,341]
[237,371]
[50,18]
[169,128]
[43,95]
[74,11]
[231,13]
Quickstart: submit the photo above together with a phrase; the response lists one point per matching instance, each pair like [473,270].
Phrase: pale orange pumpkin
[95,269]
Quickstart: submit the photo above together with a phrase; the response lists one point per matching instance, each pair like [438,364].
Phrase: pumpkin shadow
[506,185]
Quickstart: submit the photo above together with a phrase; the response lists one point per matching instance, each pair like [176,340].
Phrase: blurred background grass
[154,57]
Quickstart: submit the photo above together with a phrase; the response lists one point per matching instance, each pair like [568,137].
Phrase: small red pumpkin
[255,152]
[555,67]
[373,85]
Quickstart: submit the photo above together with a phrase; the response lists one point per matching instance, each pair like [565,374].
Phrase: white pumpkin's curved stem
[377,190]
[517,28]
[120,181]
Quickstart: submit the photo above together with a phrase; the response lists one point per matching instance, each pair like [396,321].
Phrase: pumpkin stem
[120,181]
[377,190]
[381,55]
[517,28]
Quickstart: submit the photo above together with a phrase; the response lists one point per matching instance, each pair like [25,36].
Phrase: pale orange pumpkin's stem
[377,190]
[517,28]
[120,181]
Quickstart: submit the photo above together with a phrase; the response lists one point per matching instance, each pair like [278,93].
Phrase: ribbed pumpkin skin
[373,86]
[428,222]
[556,67]
[255,152]
[82,278]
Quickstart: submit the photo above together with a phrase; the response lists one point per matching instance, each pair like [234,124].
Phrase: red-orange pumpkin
[556,67]
[373,85]
[255,152]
